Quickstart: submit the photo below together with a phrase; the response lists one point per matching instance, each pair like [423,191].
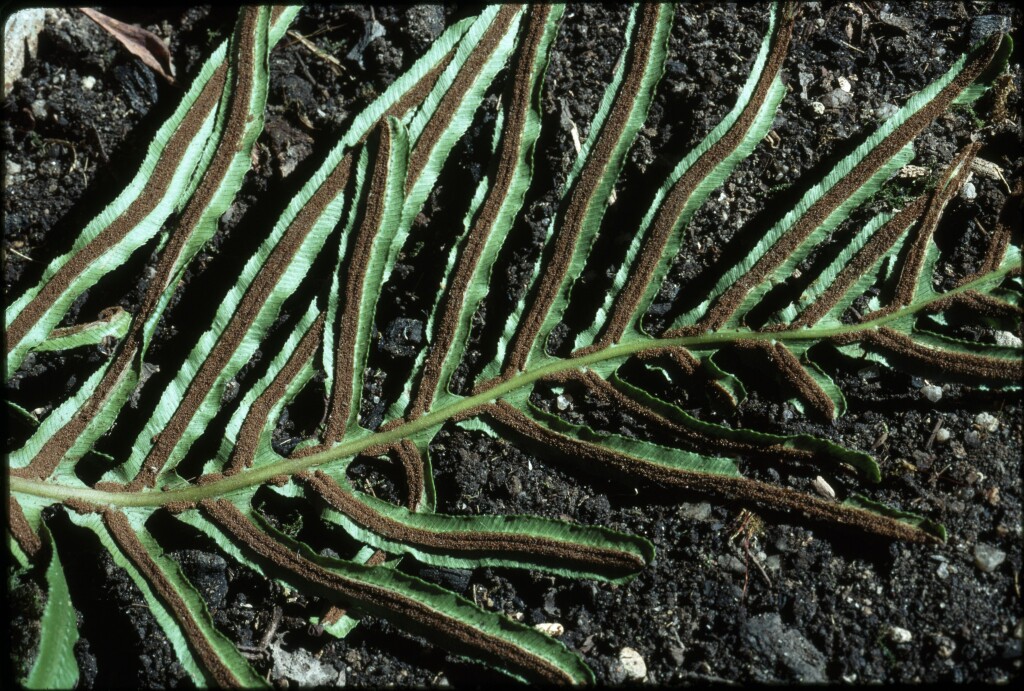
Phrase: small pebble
[844,84]
[88,82]
[931,392]
[988,558]
[986,422]
[633,664]
[817,107]
[898,634]
[946,647]
[968,192]
[823,488]
[1007,339]
[562,402]
[886,111]
[972,438]
[942,435]
[553,629]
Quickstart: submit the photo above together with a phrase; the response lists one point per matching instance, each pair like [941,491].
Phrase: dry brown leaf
[141,43]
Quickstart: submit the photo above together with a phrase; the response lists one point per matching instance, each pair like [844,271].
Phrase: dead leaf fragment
[143,44]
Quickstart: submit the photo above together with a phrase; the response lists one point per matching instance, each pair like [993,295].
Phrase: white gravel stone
[898,634]
[1007,339]
[553,629]
[968,192]
[987,422]
[88,82]
[988,558]
[633,664]
[942,435]
[932,393]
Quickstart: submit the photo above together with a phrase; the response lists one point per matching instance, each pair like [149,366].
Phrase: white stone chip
[898,634]
[633,664]
[553,629]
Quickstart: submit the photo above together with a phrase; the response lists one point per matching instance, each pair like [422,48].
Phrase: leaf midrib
[553,365]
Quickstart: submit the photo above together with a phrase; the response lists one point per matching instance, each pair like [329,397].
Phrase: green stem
[551,365]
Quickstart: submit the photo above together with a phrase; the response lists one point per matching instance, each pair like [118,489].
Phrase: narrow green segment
[164,183]
[912,519]
[55,666]
[857,175]
[515,140]
[164,618]
[801,442]
[704,169]
[589,186]
[420,607]
[636,86]
[467,542]
[239,121]
[110,327]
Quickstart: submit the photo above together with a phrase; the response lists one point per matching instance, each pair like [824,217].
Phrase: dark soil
[731,596]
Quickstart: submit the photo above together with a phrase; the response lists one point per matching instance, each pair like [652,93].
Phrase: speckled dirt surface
[729,597]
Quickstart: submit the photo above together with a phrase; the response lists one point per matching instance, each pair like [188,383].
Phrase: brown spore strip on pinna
[20,529]
[605,392]
[377,598]
[248,442]
[157,185]
[124,535]
[513,546]
[977,303]
[880,243]
[446,109]
[732,488]
[961,364]
[522,89]
[623,311]
[350,297]
[727,303]
[795,375]
[55,448]
[241,322]
[913,263]
[690,366]
[408,456]
[571,221]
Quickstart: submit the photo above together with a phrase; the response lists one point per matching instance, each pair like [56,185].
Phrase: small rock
[633,664]
[88,82]
[932,393]
[943,571]
[844,84]
[695,512]
[1006,339]
[942,435]
[817,107]
[823,488]
[886,111]
[946,646]
[898,634]
[988,558]
[968,192]
[39,109]
[837,98]
[972,438]
[729,562]
[986,422]
[562,402]
[553,629]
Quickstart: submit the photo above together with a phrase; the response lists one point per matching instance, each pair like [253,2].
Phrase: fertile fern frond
[205,448]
